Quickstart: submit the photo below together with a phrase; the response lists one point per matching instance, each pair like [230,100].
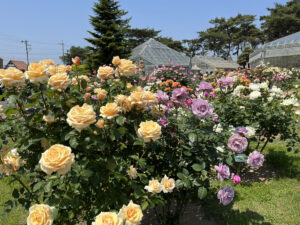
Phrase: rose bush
[101,149]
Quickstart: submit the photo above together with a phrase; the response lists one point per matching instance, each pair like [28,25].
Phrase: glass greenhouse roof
[200,62]
[157,53]
[287,41]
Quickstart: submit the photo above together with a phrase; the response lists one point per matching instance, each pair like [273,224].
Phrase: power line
[63,49]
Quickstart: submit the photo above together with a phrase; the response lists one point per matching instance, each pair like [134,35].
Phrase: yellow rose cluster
[59,81]
[166,185]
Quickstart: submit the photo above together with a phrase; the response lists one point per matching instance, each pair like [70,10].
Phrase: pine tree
[108,38]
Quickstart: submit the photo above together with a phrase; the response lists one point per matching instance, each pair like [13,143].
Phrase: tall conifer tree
[108,37]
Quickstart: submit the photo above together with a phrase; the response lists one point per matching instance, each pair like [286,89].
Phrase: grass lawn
[273,202]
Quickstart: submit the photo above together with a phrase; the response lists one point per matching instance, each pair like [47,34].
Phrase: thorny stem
[30,193]
[44,101]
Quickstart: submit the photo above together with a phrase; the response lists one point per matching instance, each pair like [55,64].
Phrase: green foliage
[72,53]
[243,59]
[282,21]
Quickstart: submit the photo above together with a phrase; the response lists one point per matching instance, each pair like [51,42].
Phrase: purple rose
[179,95]
[163,121]
[213,95]
[94,97]
[255,159]
[225,82]
[162,96]
[3,116]
[237,143]
[226,195]
[204,86]
[223,171]
[215,118]
[201,108]
[206,94]
[242,130]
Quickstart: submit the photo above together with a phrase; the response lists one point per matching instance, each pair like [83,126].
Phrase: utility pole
[63,50]
[26,46]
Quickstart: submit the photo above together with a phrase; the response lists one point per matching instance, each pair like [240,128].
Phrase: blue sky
[46,23]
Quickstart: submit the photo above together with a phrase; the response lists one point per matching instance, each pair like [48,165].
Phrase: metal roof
[159,54]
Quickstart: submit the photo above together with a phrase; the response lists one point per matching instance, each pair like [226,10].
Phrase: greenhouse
[153,53]
[283,52]
[207,64]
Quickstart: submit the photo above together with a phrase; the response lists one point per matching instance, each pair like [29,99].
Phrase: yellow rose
[36,73]
[154,187]
[105,72]
[81,117]
[137,99]
[47,62]
[13,159]
[49,118]
[149,97]
[123,102]
[40,215]
[100,124]
[158,110]
[59,81]
[74,80]
[129,85]
[108,218]
[12,77]
[116,61]
[138,88]
[132,214]
[109,111]
[127,68]
[101,93]
[62,69]
[58,158]
[132,172]
[149,130]
[167,184]
[51,70]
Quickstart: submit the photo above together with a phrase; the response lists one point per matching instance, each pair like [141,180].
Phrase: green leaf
[83,83]
[15,193]
[55,213]
[73,142]
[181,176]
[192,137]
[48,187]
[202,192]
[197,167]
[144,205]
[120,120]
[37,186]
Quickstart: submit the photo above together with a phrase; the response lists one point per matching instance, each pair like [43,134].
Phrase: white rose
[251,132]
[254,87]
[255,95]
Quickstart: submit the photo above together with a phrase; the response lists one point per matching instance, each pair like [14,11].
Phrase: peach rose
[100,124]
[40,215]
[129,85]
[13,159]
[62,69]
[108,218]
[12,77]
[123,102]
[137,99]
[167,184]
[109,111]
[49,118]
[47,62]
[132,172]
[116,61]
[149,130]
[59,81]
[58,158]
[132,214]
[127,68]
[149,97]
[36,73]
[154,187]
[105,72]
[76,61]
[87,96]
[51,70]
[81,117]
[101,93]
